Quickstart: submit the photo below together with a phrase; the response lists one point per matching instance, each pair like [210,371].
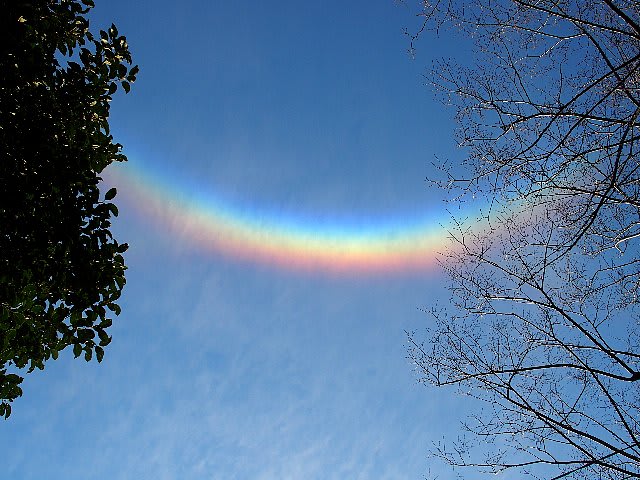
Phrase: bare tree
[543,323]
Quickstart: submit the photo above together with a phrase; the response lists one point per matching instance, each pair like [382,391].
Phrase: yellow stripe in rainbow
[278,239]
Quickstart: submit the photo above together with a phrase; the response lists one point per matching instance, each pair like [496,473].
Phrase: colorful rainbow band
[276,238]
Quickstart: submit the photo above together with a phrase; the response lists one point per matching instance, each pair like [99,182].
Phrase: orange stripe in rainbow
[278,239]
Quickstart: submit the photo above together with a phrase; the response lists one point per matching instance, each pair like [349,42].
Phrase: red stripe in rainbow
[277,239]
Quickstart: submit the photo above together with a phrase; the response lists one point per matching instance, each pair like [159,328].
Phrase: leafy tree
[543,320]
[61,271]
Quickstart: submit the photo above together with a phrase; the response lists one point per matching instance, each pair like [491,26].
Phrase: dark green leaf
[114,307]
[110,194]
[113,209]
[105,339]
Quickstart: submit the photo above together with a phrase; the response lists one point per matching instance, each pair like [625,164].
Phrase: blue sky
[226,368]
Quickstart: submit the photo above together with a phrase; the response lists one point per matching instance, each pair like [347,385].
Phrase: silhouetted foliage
[543,321]
[61,271]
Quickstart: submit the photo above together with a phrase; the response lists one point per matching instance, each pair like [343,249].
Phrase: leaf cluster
[61,270]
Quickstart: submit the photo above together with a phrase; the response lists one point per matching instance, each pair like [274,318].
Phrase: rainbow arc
[278,238]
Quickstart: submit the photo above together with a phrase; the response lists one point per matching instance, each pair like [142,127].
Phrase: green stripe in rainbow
[277,238]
